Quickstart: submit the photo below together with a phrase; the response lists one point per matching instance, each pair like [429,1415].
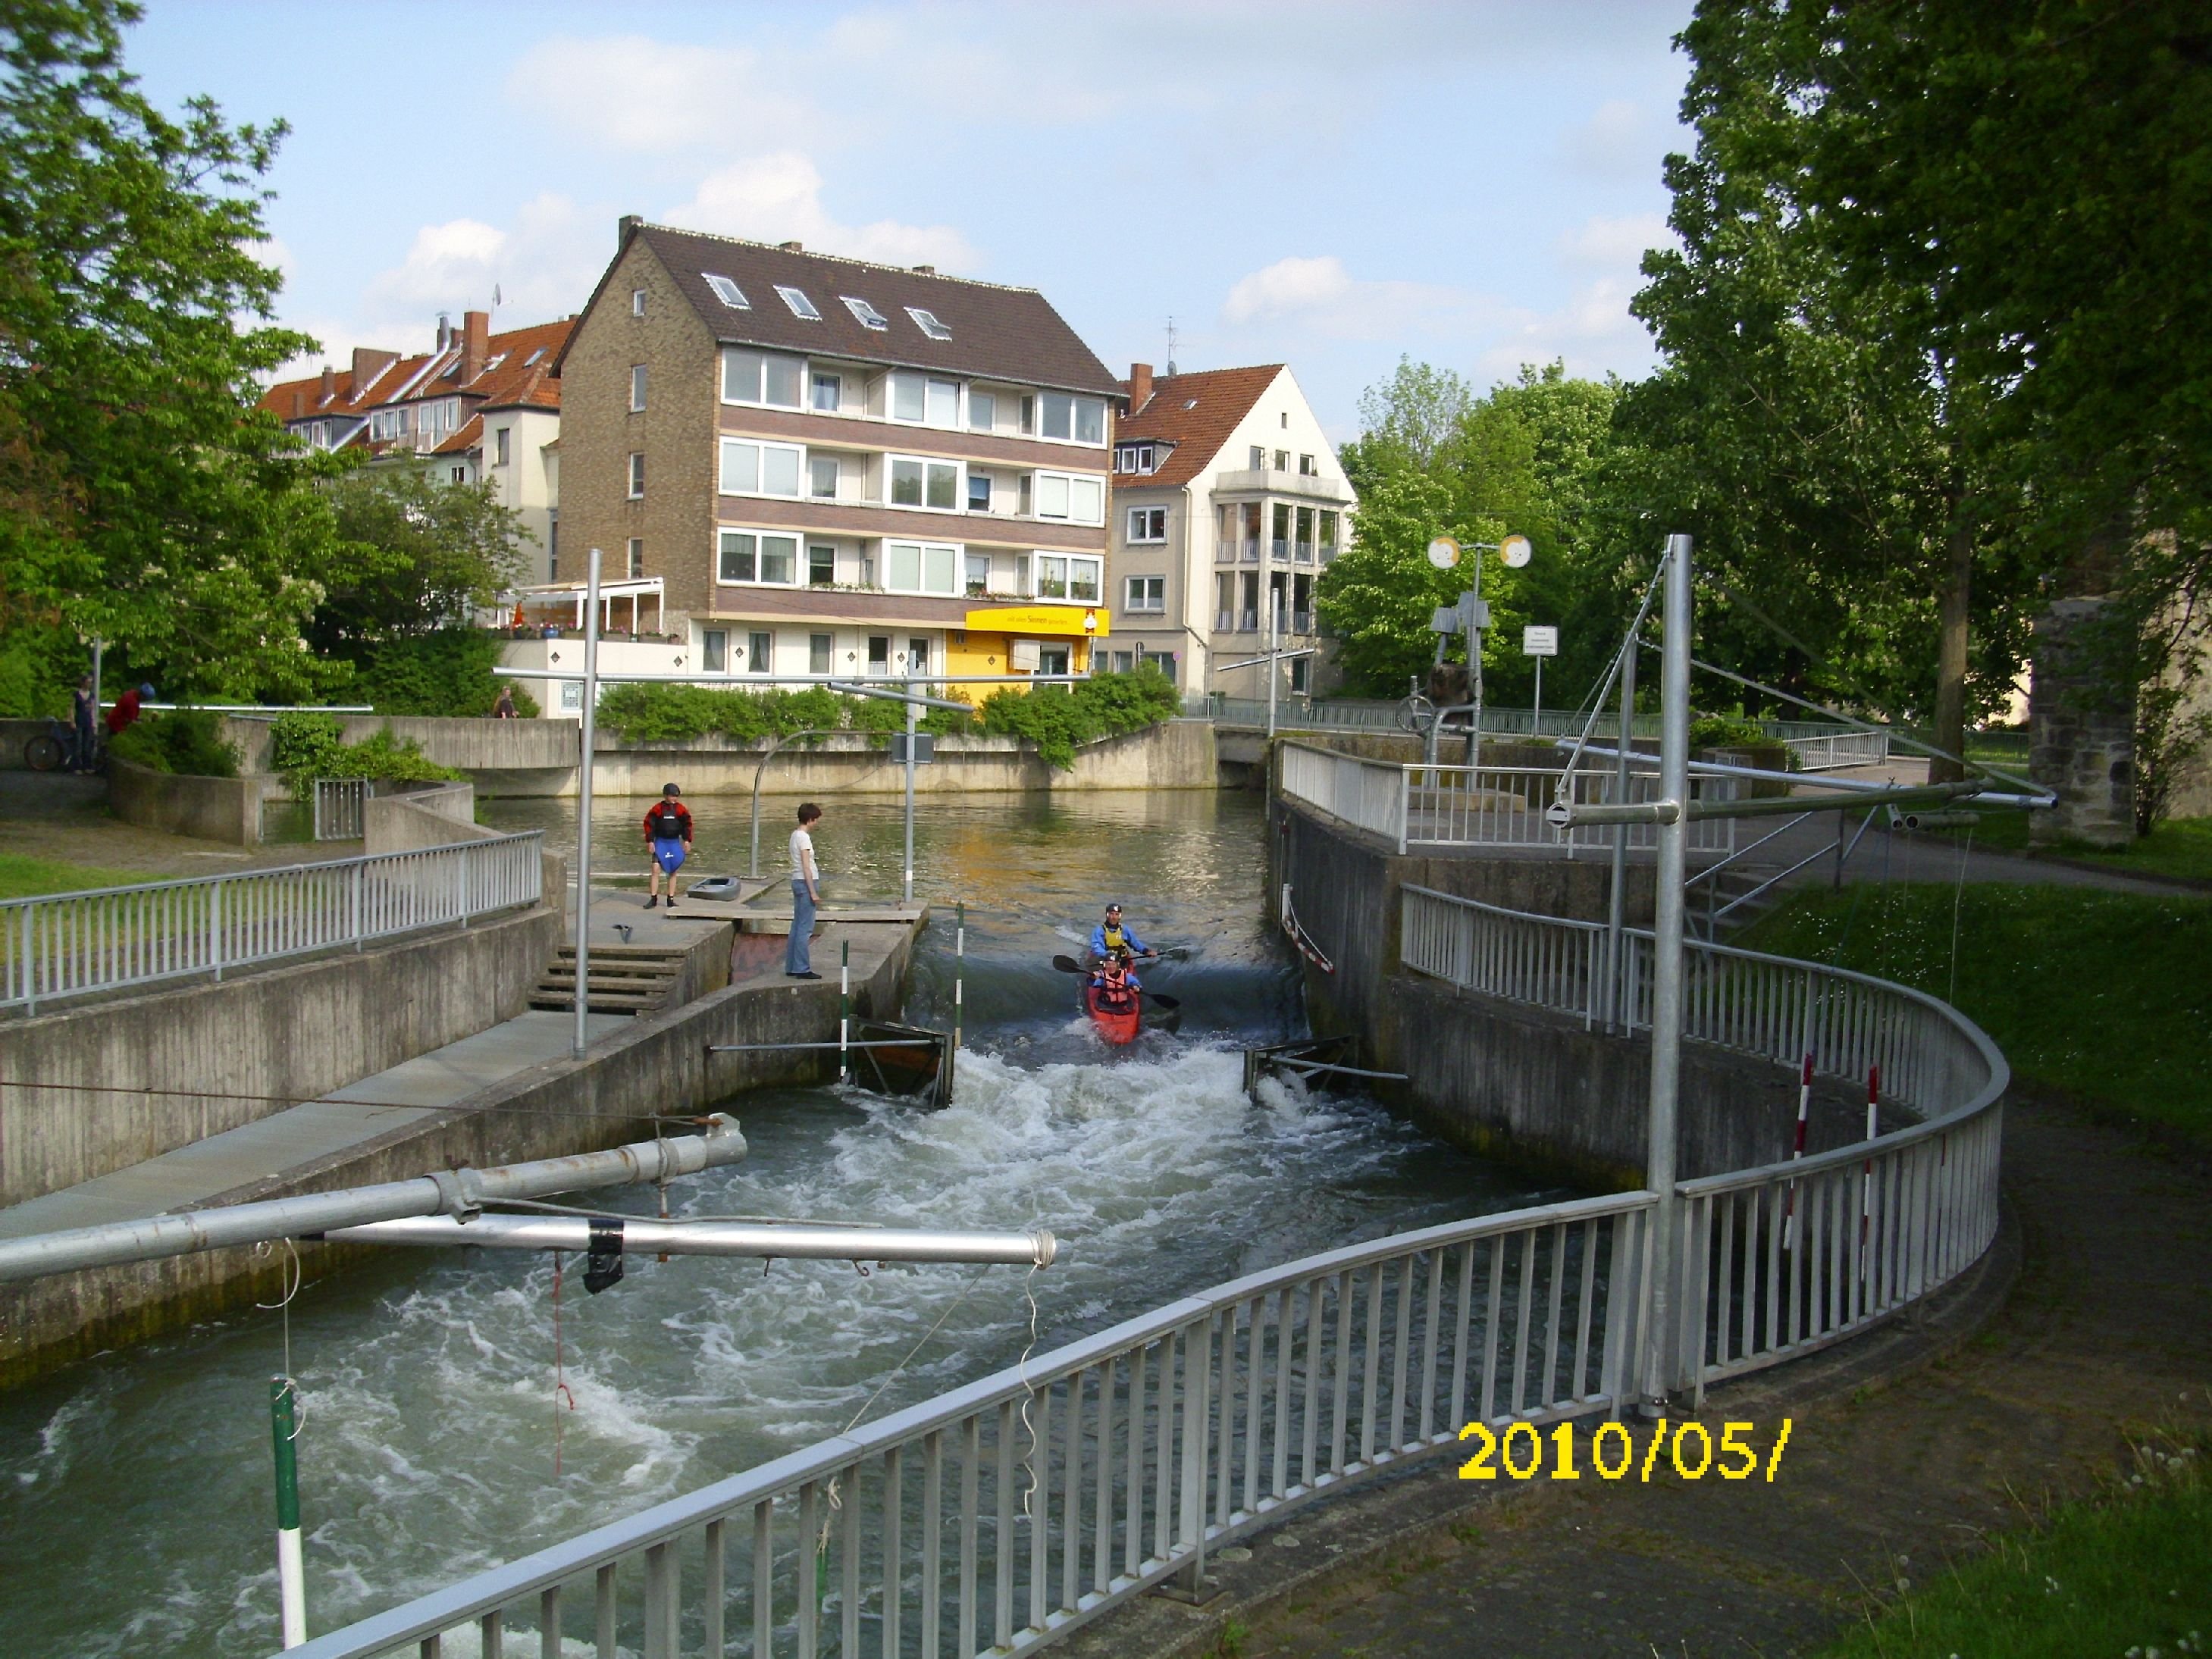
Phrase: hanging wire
[563,1398]
[293,1277]
[1022,1370]
[1958,897]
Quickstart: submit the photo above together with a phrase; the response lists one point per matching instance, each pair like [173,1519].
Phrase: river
[135,1488]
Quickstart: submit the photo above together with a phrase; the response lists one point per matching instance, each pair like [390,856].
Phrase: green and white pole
[844,1007]
[291,1580]
[959,964]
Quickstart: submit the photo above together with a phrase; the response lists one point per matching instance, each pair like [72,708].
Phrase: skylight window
[868,315]
[928,323]
[492,364]
[727,292]
[533,357]
[799,304]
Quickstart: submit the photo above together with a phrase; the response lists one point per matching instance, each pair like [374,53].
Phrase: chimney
[924,270]
[1140,386]
[299,403]
[445,330]
[329,383]
[476,341]
[367,363]
[793,247]
[623,226]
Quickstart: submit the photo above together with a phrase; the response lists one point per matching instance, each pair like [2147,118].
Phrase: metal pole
[1474,663]
[1666,1358]
[844,1007]
[913,725]
[584,807]
[1536,715]
[646,1236]
[291,1580]
[1273,667]
[1617,900]
[99,651]
[959,965]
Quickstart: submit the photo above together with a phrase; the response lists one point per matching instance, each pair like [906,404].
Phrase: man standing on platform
[668,838]
[805,894]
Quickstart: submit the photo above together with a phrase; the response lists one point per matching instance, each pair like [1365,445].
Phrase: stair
[1718,891]
[626,979]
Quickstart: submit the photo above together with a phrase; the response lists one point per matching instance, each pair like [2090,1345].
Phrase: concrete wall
[442,816]
[478,746]
[1512,1082]
[659,1066]
[254,1043]
[213,809]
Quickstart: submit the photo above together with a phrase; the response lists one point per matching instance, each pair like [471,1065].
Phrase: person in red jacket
[668,837]
[126,712]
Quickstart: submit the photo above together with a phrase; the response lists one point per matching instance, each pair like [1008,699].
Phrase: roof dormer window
[727,291]
[1136,457]
[801,307]
[866,314]
[928,323]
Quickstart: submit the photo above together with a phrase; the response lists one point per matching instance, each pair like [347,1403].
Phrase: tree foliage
[143,498]
[420,556]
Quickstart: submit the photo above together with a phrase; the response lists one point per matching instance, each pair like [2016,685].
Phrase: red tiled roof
[1196,412]
[509,379]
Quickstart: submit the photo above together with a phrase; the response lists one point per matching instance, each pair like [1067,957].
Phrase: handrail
[61,944]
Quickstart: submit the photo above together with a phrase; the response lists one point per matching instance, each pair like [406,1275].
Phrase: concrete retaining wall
[213,809]
[256,1043]
[657,1066]
[1518,1082]
[441,816]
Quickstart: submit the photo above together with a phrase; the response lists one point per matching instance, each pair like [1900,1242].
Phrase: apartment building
[476,405]
[1227,501]
[824,466]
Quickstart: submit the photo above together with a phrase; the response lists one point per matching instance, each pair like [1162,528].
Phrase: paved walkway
[2107,1331]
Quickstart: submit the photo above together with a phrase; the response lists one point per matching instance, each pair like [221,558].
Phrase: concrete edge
[1405,1518]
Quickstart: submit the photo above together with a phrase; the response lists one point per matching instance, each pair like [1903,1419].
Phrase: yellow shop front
[1022,639]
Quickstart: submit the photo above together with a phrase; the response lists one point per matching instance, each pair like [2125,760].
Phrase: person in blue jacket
[1110,936]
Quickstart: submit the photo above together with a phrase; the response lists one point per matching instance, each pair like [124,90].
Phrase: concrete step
[632,979]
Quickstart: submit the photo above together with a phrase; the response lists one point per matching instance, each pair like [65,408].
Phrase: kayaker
[1115,985]
[668,835]
[1110,936]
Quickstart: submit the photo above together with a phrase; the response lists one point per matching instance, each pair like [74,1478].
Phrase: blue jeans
[796,957]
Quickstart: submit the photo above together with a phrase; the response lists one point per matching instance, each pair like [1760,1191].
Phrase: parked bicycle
[56,749]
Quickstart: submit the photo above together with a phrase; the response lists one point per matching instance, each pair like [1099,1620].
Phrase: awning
[1074,622]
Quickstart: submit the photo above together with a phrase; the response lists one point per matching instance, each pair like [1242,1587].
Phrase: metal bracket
[460,1192]
[603,1255]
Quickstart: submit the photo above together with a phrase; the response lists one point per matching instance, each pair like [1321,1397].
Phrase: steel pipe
[451,1192]
[644,1236]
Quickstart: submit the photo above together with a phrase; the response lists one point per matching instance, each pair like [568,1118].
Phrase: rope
[1304,940]
[562,1393]
[1022,1370]
[294,1278]
[1958,897]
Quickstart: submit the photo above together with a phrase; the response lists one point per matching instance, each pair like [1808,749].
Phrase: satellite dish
[1443,552]
[1514,550]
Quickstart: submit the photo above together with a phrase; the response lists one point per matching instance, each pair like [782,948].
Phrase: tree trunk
[1951,656]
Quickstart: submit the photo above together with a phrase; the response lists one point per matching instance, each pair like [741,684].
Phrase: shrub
[1057,719]
[188,742]
[446,672]
[305,746]
[301,746]
[386,757]
[1725,731]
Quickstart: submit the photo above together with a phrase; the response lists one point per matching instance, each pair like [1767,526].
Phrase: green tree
[420,556]
[143,499]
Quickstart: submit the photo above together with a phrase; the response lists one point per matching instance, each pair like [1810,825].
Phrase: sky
[1471,185]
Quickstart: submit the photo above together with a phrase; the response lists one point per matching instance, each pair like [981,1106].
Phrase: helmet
[669,789]
[146,692]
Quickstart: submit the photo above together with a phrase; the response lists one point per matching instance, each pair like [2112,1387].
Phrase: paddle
[1068,965]
[1177,953]
[1165,1004]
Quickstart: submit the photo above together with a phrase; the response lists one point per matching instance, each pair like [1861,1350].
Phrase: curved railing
[1003,1514]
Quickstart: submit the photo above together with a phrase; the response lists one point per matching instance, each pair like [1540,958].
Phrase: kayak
[1116,1027]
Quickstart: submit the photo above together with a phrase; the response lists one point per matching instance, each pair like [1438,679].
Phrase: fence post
[30,960]
[353,903]
[215,929]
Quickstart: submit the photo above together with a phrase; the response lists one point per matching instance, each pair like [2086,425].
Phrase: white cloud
[1618,139]
[637,95]
[774,198]
[1319,296]
[1288,285]
[1613,243]
[1593,333]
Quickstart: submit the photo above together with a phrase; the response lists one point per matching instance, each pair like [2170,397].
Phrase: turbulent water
[134,1490]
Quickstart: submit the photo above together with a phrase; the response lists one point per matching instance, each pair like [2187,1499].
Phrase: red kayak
[1116,1025]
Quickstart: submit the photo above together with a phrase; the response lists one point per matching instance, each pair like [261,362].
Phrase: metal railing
[1234,549]
[999,1516]
[340,807]
[1302,552]
[1816,747]
[1419,805]
[1793,1255]
[73,944]
[1822,752]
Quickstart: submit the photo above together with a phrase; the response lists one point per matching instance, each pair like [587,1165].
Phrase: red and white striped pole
[1798,1152]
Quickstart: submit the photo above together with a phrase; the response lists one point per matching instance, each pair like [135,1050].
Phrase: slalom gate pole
[291,1580]
[1798,1152]
[1866,1181]
[844,1008]
[959,963]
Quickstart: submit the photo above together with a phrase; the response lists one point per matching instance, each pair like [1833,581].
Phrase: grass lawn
[21,876]
[2104,995]
[2179,846]
[2131,1575]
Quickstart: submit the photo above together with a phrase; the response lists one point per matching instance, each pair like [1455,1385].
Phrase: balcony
[1302,552]
[1224,622]
[1266,481]
[1232,550]
[1302,623]
[1248,622]
[1327,552]
[1279,549]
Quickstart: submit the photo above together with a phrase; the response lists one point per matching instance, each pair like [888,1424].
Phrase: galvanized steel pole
[913,725]
[1662,1335]
[291,1576]
[584,808]
[647,1235]
[1617,900]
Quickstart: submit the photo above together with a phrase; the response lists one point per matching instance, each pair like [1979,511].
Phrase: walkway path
[2108,1329]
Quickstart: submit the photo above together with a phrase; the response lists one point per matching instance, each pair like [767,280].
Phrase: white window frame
[637,388]
[1074,480]
[636,478]
[727,290]
[722,579]
[953,554]
[813,463]
[801,307]
[798,363]
[989,400]
[865,315]
[1076,402]
[926,321]
[925,462]
[762,447]
[929,383]
[634,557]
[1146,595]
[1146,534]
[637,302]
[817,379]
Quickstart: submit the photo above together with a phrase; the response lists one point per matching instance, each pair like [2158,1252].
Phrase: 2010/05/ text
[1691,1450]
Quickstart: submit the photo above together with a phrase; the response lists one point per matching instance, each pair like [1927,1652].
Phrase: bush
[188,742]
[1058,719]
[384,757]
[1725,731]
[301,746]
[449,671]
[305,746]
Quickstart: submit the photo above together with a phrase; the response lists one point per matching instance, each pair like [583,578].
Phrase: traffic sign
[1514,550]
[1537,642]
[1443,552]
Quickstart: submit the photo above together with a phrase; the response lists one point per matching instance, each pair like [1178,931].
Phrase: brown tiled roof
[997,333]
[513,381]
[1196,412]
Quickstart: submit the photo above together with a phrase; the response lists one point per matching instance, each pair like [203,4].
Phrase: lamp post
[584,809]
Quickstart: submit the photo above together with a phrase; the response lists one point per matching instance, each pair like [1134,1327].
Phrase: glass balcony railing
[1248,622]
[1279,548]
[1302,552]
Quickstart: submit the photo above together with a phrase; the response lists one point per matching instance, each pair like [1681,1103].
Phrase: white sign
[1539,641]
[1443,552]
[1514,550]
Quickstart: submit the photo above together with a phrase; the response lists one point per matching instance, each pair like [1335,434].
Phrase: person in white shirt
[805,894]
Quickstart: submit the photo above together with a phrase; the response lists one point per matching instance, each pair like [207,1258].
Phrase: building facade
[478,405]
[827,467]
[1228,502]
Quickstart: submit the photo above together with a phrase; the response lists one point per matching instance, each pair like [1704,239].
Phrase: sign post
[1539,642]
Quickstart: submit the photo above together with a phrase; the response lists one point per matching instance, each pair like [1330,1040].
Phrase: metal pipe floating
[644,1236]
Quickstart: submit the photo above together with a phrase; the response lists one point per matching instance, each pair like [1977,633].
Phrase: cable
[1958,897]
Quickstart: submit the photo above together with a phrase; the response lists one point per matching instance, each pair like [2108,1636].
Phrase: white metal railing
[1826,750]
[999,1516]
[1781,1259]
[341,806]
[72,944]
[1419,805]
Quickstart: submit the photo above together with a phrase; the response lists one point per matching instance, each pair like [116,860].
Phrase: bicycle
[56,747]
